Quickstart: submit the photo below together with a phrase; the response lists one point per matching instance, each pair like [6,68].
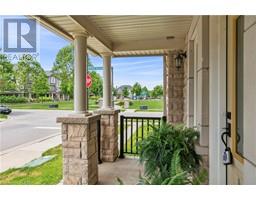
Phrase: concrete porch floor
[127,170]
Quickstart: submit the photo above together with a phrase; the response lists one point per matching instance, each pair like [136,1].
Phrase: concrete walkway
[20,155]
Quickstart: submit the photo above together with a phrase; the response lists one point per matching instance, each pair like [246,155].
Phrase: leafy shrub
[13,99]
[168,152]
[177,176]
[94,98]
[120,103]
[44,99]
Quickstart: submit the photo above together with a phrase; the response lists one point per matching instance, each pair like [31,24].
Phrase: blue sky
[145,70]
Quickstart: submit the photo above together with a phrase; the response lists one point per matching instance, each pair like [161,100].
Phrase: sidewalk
[20,155]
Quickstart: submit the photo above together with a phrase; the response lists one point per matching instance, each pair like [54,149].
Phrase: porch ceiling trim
[159,44]
[92,30]
[102,35]
[58,30]
[52,27]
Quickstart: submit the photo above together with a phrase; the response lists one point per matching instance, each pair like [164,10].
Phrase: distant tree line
[29,77]
[141,92]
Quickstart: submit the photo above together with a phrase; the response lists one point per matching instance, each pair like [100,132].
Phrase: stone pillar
[164,85]
[107,85]
[79,142]
[80,65]
[174,90]
[109,134]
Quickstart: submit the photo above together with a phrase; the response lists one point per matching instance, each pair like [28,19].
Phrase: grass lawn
[63,105]
[154,105]
[132,143]
[3,117]
[49,173]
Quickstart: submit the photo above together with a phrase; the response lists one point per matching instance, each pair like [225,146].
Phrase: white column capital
[171,53]
[106,54]
[80,33]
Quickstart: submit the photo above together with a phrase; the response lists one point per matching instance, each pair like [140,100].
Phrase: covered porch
[110,37]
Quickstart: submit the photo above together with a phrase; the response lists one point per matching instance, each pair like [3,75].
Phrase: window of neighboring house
[240,85]
[52,80]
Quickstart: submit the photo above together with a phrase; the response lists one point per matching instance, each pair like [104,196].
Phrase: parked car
[5,110]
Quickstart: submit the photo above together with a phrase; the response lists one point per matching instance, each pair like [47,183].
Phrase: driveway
[25,126]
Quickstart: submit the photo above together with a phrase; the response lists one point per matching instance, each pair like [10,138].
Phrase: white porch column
[164,84]
[217,97]
[107,85]
[190,85]
[80,65]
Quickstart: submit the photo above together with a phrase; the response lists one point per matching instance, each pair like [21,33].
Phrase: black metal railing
[134,129]
[99,141]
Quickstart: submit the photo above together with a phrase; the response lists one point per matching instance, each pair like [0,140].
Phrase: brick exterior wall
[174,91]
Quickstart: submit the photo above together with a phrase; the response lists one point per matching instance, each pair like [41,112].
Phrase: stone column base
[109,134]
[80,158]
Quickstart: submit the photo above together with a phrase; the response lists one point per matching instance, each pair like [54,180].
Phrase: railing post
[99,141]
[164,118]
[121,155]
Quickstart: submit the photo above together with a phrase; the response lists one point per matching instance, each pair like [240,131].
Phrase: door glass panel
[239,85]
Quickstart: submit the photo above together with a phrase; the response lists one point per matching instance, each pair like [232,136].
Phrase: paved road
[25,126]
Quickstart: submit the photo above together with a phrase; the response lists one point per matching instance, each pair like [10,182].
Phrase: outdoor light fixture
[179,59]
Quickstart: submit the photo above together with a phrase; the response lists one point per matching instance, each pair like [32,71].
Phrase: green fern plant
[177,176]
[168,154]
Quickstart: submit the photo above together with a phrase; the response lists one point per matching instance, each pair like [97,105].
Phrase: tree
[125,92]
[157,91]
[144,91]
[97,86]
[7,79]
[23,76]
[31,77]
[63,69]
[136,89]
[40,85]
[114,90]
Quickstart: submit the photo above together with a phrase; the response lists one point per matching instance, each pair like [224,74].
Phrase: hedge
[13,99]
[43,99]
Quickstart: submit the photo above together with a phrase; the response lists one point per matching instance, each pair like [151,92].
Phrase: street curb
[28,144]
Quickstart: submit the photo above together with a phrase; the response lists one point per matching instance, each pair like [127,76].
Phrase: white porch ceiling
[124,35]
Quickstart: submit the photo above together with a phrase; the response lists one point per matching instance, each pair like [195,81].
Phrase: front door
[242,97]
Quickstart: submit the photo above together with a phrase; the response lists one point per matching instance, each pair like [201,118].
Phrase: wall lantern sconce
[179,59]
